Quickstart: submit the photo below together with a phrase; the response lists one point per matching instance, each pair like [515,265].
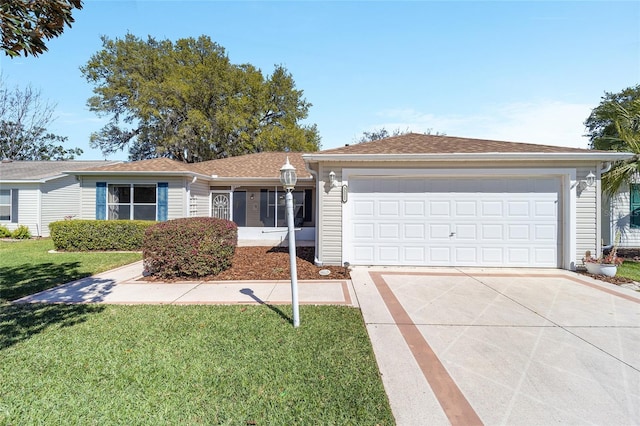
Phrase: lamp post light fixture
[288,179]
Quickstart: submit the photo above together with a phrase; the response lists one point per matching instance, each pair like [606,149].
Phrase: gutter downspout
[316,261]
[603,168]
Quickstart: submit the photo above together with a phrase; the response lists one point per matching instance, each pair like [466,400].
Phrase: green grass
[26,267]
[629,269]
[170,365]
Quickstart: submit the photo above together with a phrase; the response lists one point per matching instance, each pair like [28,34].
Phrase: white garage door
[452,222]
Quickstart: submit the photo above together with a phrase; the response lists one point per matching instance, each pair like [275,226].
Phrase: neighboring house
[430,200]
[36,193]
[421,200]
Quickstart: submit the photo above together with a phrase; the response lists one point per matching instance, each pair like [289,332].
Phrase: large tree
[24,118]
[615,125]
[26,24]
[187,101]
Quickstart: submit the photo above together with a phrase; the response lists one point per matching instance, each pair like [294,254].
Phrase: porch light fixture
[288,179]
[332,178]
[288,176]
[591,179]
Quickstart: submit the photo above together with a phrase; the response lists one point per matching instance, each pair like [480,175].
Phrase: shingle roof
[38,170]
[414,143]
[258,165]
[159,165]
[262,165]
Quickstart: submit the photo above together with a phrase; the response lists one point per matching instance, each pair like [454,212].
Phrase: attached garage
[430,221]
[431,200]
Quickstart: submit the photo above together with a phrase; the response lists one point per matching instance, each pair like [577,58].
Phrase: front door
[221,205]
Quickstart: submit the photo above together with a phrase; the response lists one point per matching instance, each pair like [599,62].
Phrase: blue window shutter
[163,195]
[635,206]
[101,200]
[14,206]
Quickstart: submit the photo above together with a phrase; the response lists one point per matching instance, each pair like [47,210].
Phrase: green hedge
[102,235]
[190,247]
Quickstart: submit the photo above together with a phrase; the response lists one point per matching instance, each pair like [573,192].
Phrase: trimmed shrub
[99,235]
[4,232]
[21,233]
[190,247]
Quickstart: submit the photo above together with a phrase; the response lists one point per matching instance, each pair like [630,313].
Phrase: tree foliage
[187,101]
[26,24]
[24,118]
[615,125]
[383,133]
[626,125]
[601,123]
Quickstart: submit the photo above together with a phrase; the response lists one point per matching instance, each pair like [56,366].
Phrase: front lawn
[26,266]
[629,269]
[231,365]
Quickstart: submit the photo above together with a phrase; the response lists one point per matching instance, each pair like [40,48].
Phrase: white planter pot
[601,269]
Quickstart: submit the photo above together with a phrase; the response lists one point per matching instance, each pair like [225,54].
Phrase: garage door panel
[518,209]
[545,209]
[491,255]
[467,255]
[439,208]
[414,254]
[457,222]
[363,208]
[491,209]
[440,255]
[389,230]
[363,254]
[364,231]
[519,232]
[492,231]
[389,254]
[467,232]
[439,232]
[466,208]
[518,255]
[545,232]
[389,208]
[414,208]
[414,231]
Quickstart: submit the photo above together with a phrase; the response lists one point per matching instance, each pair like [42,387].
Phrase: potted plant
[607,264]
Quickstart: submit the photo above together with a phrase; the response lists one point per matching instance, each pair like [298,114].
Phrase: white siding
[199,192]
[60,198]
[586,215]
[330,217]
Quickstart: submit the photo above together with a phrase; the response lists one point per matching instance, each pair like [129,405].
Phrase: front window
[276,208]
[132,202]
[5,204]
[634,199]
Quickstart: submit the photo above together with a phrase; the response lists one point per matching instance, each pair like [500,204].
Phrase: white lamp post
[288,179]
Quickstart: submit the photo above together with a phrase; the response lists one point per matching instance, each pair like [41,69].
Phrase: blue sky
[507,70]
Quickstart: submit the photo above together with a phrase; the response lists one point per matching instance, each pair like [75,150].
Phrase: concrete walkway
[123,286]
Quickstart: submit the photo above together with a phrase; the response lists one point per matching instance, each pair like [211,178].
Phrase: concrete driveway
[487,346]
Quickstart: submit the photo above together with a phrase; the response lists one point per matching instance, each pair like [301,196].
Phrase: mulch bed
[612,280]
[272,263]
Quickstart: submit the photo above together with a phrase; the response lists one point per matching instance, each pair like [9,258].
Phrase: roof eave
[484,156]
[137,173]
[257,179]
